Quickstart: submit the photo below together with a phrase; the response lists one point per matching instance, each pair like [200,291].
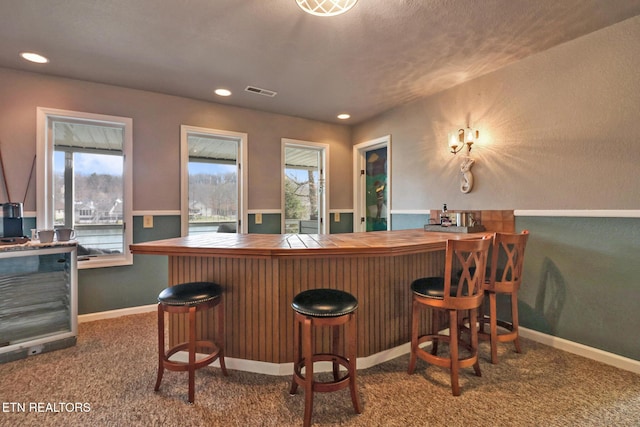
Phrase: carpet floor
[107,379]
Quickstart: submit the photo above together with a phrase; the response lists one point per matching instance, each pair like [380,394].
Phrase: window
[304,193]
[213,198]
[85,182]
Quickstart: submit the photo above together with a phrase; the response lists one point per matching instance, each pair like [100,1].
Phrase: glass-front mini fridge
[38,300]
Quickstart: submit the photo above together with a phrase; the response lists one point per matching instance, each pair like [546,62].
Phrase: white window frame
[44,192]
[185,130]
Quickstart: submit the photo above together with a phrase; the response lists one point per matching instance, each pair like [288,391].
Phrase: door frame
[359,180]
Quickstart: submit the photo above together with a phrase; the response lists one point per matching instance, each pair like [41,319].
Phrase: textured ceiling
[381,54]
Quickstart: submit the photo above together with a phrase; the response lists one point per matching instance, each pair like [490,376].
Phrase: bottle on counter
[445,221]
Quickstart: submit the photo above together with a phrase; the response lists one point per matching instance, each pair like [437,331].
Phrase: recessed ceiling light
[34,57]
[223,92]
[344,116]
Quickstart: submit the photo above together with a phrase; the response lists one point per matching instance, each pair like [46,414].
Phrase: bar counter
[261,273]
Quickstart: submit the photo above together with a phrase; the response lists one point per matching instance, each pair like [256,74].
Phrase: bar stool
[505,278]
[453,296]
[190,298]
[324,307]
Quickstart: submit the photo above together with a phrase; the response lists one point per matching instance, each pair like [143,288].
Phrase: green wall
[345,225]
[271,223]
[112,288]
[408,221]
[581,281]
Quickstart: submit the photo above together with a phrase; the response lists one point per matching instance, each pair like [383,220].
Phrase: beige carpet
[110,375]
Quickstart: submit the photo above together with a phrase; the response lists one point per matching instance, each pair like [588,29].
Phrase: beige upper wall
[560,130]
[156,133]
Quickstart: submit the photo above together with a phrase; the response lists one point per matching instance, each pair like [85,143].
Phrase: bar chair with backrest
[454,294]
[504,277]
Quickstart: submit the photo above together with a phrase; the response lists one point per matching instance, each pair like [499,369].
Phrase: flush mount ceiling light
[326,7]
[344,116]
[34,57]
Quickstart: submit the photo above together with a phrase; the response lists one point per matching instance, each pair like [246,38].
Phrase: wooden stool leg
[493,322]
[220,309]
[307,354]
[352,353]
[296,355]
[435,328]
[414,337]
[335,335]
[514,320]
[473,314]
[481,317]
[192,353]
[160,346]
[453,348]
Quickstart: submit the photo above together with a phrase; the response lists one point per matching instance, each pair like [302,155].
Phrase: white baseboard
[269,368]
[281,369]
[582,350]
[255,366]
[112,314]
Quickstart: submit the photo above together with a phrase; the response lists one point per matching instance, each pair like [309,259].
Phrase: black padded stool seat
[317,308]
[429,287]
[433,287]
[190,298]
[190,293]
[324,303]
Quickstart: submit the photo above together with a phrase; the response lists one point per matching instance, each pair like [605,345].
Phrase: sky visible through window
[210,168]
[86,164]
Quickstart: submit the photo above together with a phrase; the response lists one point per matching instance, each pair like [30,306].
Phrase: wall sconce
[457,141]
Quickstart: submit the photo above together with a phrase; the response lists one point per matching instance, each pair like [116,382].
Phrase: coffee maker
[12,220]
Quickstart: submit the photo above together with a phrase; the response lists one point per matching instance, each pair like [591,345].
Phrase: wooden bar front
[261,274]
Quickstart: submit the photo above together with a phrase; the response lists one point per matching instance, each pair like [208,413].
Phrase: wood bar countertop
[301,245]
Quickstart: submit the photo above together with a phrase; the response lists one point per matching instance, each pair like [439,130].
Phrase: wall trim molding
[264,211]
[157,213]
[112,314]
[410,211]
[582,350]
[581,213]
[32,214]
[347,211]
[280,369]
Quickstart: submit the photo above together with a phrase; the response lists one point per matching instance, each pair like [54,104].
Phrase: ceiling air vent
[259,91]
